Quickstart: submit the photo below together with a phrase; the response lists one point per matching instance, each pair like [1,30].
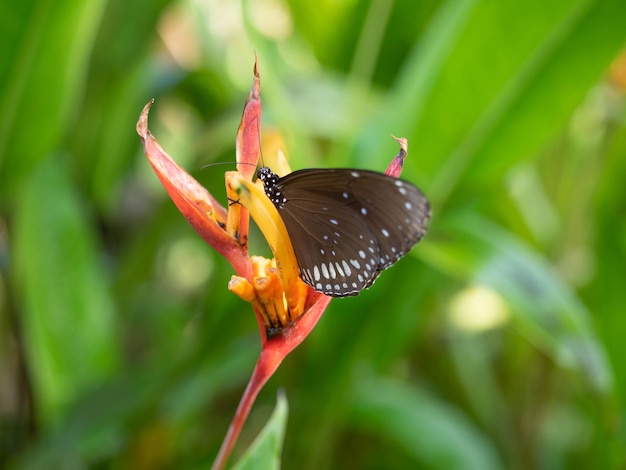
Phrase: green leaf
[67,313]
[435,434]
[492,82]
[548,312]
[47,66]
[264,452]
[606,289]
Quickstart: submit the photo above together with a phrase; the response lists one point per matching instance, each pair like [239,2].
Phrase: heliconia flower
[285,307]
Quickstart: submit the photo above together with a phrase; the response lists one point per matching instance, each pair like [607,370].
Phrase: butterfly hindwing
[396,212]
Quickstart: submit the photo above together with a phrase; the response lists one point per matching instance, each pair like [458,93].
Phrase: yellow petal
[266,216]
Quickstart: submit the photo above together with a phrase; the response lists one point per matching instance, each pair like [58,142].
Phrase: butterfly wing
[346,226]
[396,212]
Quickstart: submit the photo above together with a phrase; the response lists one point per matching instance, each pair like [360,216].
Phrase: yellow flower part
[279,293]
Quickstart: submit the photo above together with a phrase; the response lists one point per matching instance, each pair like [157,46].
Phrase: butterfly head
[270,185]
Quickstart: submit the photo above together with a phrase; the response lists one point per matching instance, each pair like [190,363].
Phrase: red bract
[286,309]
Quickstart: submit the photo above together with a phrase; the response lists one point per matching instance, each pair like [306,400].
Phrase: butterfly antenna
[258,132]
[225,163]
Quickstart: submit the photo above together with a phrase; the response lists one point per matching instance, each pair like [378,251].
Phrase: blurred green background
[498,343]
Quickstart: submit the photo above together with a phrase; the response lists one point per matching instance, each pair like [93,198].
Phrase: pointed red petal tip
[248,143]
[395,167]
[142,122]
[255,92]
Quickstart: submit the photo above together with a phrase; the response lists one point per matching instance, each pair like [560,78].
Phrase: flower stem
[266,365]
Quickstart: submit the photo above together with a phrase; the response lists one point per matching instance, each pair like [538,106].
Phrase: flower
[286,309]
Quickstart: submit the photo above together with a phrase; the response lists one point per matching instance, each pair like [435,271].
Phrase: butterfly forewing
[346,225]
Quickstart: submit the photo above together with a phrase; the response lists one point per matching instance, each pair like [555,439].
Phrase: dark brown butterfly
[347,225]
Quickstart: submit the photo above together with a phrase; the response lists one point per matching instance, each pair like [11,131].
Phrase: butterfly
[346,225]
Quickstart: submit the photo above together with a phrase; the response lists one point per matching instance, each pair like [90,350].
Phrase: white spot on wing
[346,268]
[325,271]
[339,269]
[332,271]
